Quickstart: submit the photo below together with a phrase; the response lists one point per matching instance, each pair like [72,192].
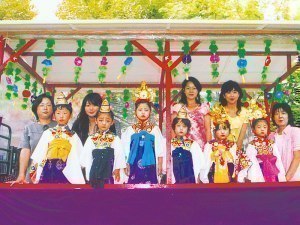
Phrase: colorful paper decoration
[49,52]
[214,59]
[242,62]
[128,51]
[186,59]
[78,60]
[103,63]
[267,60]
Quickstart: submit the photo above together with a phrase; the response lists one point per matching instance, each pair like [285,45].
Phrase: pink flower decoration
[78,61]
[103,62]
[214,58]
[8,80]
[127,105]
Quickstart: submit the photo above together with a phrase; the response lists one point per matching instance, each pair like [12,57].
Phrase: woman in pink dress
[198,113]
[287,139]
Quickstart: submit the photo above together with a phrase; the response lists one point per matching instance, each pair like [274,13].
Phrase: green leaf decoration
[24,106]
[104,48]
[8,95]
[17,79]
[50,42]
[128,48]
[21,43]
[49,52]
[80,52]
[160,47]
[186,47]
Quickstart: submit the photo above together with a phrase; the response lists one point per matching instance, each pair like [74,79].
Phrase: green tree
[16,10]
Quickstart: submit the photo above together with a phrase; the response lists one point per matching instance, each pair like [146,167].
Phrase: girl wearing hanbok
[56,157]
[143,142]
[263,153]
[187,156]
[103,156]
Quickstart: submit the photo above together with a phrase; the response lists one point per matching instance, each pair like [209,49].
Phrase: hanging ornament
[108,95]
[242,62]
[208,95]
[26,92]
[297,42]
[267,60]
[214,59]
[126,98]
[103,63]
[160,48]
[186,59]
[49,52]
[78,60]
[128,51]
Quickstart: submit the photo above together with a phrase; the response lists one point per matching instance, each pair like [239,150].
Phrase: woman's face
[91,109]
[281,118]
[190,91]
[104,121]
[143,112]
[45,109]
[222,133]
[232,96]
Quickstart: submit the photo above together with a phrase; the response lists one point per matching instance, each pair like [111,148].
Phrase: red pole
[168,116]
[2,44]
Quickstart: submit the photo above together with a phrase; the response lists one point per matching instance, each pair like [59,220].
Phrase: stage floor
[213,204]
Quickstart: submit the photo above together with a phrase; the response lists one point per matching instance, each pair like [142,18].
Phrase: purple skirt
[52,172]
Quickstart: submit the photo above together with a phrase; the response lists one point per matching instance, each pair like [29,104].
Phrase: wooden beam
[149,54]
[283,77]
[15,56]
[73,93]
[28,68]
[173,53]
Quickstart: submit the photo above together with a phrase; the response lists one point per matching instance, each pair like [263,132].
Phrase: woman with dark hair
[231,100]
[198,113]
[42,108]
[287,140]
[85,124]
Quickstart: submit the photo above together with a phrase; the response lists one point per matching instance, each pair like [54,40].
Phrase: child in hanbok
[187,156]
[56,157]
[263,153]
[143,142]
[103,156]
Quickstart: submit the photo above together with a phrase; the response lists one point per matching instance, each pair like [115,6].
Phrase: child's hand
[127,169]
[116,173]
[247,180]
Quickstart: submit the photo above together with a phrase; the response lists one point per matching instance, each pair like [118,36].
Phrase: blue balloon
[47,62]
[128,61]
[242,63]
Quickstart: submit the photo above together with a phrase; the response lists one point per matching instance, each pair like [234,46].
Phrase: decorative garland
[160,48]
[128,51]
[186,59]
[208,95]
[242,62]
[49,52]
[297,42]
[156,99]
[78,60]
[174,72]
[103,63]
[214,59]
[108,95]
[267,60]
[126,98]
[26,92]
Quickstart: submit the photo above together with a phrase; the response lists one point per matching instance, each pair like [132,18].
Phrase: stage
[211,204]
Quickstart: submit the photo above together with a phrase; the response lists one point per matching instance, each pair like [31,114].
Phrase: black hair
[38,101]
[218,126]
[229,86]
[186,122]
[197,84]
[67,106]
[285,107]
[112,116]
[81,124]
[255,122]
[141,101]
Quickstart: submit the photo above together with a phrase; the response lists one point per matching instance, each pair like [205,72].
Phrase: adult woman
[231,99]
[85,124]
[197,112]
[287,139]
[42,108]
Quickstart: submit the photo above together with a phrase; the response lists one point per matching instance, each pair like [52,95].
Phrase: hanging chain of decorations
[160,48]
[26,92]
[13,74]
[103,63]
[49,52]
[128,51]
[186,59]
[214,59]
[268,60]
[126,98]
[209,96]
[78,60]
[108,95]
[242,62]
